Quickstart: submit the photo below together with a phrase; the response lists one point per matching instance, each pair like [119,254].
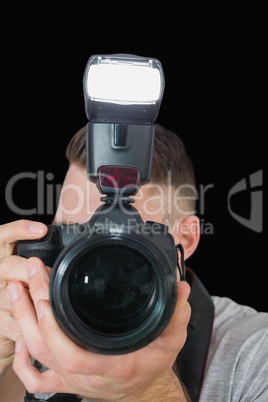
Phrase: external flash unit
[123,94]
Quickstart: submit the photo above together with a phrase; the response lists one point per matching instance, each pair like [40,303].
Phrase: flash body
[113,284]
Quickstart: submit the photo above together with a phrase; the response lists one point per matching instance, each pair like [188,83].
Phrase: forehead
[79,197]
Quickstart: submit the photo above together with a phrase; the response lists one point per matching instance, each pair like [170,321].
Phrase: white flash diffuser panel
[123,88]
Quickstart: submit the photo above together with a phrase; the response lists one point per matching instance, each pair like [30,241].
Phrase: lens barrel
[114,292]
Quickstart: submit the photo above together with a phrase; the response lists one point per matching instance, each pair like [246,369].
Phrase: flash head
[123,94]
[123,88]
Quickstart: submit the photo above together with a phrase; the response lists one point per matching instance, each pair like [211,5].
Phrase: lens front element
[113,289]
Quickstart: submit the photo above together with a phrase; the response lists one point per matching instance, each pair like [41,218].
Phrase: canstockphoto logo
[249,187]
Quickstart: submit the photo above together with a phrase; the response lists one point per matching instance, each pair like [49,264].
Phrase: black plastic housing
[128,145]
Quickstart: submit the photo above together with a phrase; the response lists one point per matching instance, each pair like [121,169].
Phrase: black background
[213,100]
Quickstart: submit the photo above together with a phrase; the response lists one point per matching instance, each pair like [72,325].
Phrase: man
[237,361]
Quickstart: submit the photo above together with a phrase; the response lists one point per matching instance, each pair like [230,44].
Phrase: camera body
[113,283]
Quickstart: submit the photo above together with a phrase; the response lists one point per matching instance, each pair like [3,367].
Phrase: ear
[188,234]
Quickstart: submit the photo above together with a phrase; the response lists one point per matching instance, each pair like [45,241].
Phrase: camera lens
[113,293]
[112,290]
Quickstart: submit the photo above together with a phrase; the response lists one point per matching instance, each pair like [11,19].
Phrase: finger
[9,333]
[19,230]
[182,311]
[177,327]
[26,319]
[13,268]
[9,329]
[184,290]
[34,380]
[38,279]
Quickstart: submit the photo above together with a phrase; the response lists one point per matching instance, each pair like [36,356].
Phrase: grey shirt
[237,364]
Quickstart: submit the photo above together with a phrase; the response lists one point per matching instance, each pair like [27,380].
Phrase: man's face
[80,198]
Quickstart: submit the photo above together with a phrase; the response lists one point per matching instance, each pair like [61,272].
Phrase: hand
[140,376]
[12,268]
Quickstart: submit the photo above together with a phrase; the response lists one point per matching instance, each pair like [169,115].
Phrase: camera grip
[47,248]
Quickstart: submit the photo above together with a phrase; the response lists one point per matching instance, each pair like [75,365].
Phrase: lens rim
[129,341]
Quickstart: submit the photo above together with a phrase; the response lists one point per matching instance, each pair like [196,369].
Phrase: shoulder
[237,363]
[231,317]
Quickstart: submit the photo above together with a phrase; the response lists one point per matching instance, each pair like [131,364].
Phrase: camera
[113,284]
